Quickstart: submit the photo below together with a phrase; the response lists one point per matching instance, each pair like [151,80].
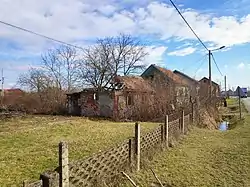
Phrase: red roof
[15,91]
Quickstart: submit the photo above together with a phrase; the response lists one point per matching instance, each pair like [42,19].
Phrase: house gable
[167,75]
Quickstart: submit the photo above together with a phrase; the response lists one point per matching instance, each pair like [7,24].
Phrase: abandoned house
[175,87]
[115,103]
[204,88]
[193,84]
[126,94]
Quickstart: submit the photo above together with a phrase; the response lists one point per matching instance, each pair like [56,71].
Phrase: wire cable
[188,25]
[41,35]
[197,61]
[216,64]
[199,67]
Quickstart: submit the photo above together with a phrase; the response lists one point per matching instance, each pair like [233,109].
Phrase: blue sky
[171,43]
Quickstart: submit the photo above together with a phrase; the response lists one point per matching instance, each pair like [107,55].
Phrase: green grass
[29,146]
[232,101]
[204,158]
[233,105]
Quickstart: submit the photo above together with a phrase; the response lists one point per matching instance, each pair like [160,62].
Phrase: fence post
[131,152]
[183,122]
[137,145]
[63,165]
[45,178]
[166,130]
[25,184]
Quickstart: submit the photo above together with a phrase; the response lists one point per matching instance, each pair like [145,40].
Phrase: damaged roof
[175,78]
[134,83]
[186,76]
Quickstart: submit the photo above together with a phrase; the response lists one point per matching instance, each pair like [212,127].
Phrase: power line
[40,35]
[197,61]
[202,63]
[188,25]
[216,64]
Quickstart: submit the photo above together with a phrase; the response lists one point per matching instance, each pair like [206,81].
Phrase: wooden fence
[108,164]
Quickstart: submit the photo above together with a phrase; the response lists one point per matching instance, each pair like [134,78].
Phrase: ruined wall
[89,106]
[106,104]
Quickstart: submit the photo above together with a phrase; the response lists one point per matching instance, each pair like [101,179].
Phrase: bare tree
[111,56]
[69,58]
[61,64]
[131,53]
[35,80]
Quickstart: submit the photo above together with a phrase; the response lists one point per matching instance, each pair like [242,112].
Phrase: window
[130,100]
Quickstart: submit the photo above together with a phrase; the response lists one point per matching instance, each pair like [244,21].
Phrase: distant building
[204,88]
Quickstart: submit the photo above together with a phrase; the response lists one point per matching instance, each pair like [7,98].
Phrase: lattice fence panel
[35,184]
[108,164]
[174,129]
[150,140]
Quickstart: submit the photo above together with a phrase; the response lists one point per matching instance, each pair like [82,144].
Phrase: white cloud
[241,65]
[155,54]
[74,20]
[182,52]
[78,21]
[107,9]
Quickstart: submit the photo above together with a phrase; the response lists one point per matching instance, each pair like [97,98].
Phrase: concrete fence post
[166,130]
[63,165]
[137,145]
[183,121]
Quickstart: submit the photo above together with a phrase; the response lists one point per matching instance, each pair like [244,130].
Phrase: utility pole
[210,70]
[2,88]
[239,94]
[210,75]
[225,80]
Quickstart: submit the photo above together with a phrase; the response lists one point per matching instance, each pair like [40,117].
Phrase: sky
[170,43]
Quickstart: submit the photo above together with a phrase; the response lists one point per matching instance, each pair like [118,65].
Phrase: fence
[108,164]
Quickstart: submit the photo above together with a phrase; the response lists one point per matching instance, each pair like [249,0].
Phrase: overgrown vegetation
[204,158]
[29,145]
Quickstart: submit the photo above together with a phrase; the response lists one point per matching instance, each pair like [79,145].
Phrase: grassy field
[204,158]
[29,146]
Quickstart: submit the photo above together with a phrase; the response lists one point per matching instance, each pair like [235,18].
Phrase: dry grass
[29,146]
[205,158]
